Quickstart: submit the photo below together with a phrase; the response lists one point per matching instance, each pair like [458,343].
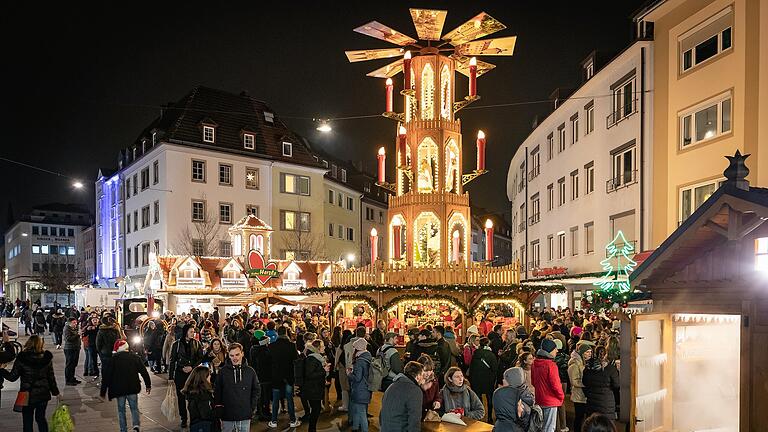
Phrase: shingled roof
[232,115]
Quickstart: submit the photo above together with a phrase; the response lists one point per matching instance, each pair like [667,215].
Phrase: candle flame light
[473,61]
[407,55]
[480,134]
[374,233]
[455,234]
[389,81]
[402,130]
[382,152]
[488,223]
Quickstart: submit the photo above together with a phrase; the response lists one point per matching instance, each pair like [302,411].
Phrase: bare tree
[200,237]
[57,275]
[305,244]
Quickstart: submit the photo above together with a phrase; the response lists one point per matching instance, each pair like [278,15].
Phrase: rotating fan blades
[380,31]
[428,23]
[479,26]
[373,54]
[500,46]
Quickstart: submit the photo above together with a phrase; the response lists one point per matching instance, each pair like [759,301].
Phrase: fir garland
[507,289]
[565,276]
[601,300]
[423,297]
[355,298]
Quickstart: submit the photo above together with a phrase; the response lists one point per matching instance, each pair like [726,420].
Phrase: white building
[581,175]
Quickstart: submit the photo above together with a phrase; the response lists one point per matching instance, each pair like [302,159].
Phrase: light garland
[501,290]
[486,300]
[353,299]
[706,318]
[411,300]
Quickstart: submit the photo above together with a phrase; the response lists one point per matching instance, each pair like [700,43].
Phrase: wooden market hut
[700,358]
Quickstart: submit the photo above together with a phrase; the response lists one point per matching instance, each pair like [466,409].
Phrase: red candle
[374,245]
[381,158]
[407,69]
[456,243]
[389,95]
[401,147]
[473,77]
[396,239]
[480,151]
[488,240]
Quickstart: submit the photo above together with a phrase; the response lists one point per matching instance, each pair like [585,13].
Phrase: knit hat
[514,376]
[360,344]
[258,334]
[558,343]
[583,348]
[472,330]
[548,345]
[576,331]
[120,346]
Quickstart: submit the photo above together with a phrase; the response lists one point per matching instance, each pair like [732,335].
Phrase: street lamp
[77,185]
[346,262]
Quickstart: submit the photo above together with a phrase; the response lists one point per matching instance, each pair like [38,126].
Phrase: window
[551,247]
[252,209]
[351,234]
[589,177]
[45,230]
[561,141]
[156,218]
[225,248]
[706,121]
[761,254]
[62,250]
[589,110]
[251,178]
[535,209]
[225,213]
[350,203]
[249,143]
[561,245]
[623,170]
[535,164]
[334,170]
[550,146]
[294,184]
[198,211]
[135,220]
[144,178]
[145,216]
[575,185]
[343,175]
[35,230]
[135,184]
[340,231]
[198,171]
[330,196]
[574,129]
[294,221]
[692,197]
[208,134]
[574,241]
[198,247]
[330,230]
[225,175]
[136,256]
[550,197]
[36,267]
[707,40]
[128,188]
[71,250]
[623,103]
[35,249]
[70,232]
[589,237]
[535,255]
[62,232]
[561,191]
[44,249]
[269,117]
[155,172]
[287,149]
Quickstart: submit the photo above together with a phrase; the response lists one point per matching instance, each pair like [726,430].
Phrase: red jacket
[546,381]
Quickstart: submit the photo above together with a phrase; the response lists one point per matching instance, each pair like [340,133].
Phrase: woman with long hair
[335,342]
[215,355]
[430,388]
[199,394]
[34,366]
[458,397]
[341,369]
[525,361]
[600,380]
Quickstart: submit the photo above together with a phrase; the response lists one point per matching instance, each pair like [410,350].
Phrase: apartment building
[710,98]
[581,175]
[45,247]
[502,237]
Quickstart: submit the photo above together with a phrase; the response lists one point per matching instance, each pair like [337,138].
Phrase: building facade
[581,176]
[710,63]
[502,238]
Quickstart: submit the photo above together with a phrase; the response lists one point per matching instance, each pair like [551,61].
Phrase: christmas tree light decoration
[615,278]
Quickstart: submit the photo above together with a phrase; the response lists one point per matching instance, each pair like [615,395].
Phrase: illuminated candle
[407,69]
[473,76]
[396,239]
[456,242]
[374,245]
[389,95]
[488,240]
[401,149]
[480,151]
[381,158]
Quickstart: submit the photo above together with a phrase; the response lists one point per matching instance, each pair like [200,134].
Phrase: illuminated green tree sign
[617,266]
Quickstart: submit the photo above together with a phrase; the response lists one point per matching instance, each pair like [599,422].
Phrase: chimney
[737,171]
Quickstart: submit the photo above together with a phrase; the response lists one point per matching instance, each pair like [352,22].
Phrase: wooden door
[651,372]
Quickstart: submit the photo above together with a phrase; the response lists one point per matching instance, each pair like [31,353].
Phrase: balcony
[620,246]
[534,219]
[621,181]
[622,112]
[532,174]
[521,227]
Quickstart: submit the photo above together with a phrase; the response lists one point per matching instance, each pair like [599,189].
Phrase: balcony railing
[622,180]
[534,219]
[621,246]
[532,174]
[621,112]
[532,265]
[521,227]
[389,274]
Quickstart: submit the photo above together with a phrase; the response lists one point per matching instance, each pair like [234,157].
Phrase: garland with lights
[509,289]
[359,298]
[416,297]
[481,300]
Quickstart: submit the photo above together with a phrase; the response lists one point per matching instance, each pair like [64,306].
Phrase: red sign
[260,270]
[549,271]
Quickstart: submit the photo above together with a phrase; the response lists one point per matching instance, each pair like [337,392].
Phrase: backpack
[298,370]
[380,368]
[536,419]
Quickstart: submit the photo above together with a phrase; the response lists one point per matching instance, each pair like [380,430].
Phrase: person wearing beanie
[546,380]
[579,357]
[561,360]
[359,393]
[109,333]
[122,383]
[57,323]
[506,401]
[259,358]
[186,354]
[472,330]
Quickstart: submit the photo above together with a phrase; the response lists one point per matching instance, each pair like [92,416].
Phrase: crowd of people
[230,370]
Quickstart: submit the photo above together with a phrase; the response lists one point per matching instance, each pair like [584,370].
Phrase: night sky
[82,83]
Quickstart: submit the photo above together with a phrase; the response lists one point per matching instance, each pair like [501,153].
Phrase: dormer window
[325,163]
[287,149]
[334,171]
[269,117]
[343,175]
[209,134]
[589,69]
[249,141]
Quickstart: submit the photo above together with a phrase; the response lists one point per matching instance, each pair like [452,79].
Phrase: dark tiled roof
[232,114]
[60,207]
[357,179]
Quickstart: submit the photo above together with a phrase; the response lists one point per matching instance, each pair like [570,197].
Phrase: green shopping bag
[62,420]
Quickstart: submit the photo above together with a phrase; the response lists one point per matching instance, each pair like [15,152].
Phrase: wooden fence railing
[388,274]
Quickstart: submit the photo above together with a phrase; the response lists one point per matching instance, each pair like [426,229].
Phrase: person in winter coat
[473,341]
[122,381]
[199,394]
[482,373]
[109,333]
[58,321]
[170,338]
[316,368]
[91,331]
[430,389]
[186,354]
[402,401]
[497,343]
[236,391]
[576,364]
[260,360]
[39,320]
[153,345]
[600,380]
[284,355]
[34,366]
[458,397]
[360,394]
[7,353]
[427,345]
[341,370]
[561,360]
[506,401]
[391,359]
[546,380]
[443,351]
[71,351]
[215,355]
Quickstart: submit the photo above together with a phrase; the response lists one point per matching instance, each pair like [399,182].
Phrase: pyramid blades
[389,70]
[428,23]
[373,54]
[500,46]
[479,26]
[380,31]
[462,65]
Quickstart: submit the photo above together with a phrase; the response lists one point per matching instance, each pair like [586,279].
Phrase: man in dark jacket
[443,352]
[109,333]
[57,323]
[497,343]
[482,374]
[237,392]
[71,351]
[91,331]
[284,355]
[123,383]
[506,401]
[391,359]
[401,404]
[260,360]
[186,354]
